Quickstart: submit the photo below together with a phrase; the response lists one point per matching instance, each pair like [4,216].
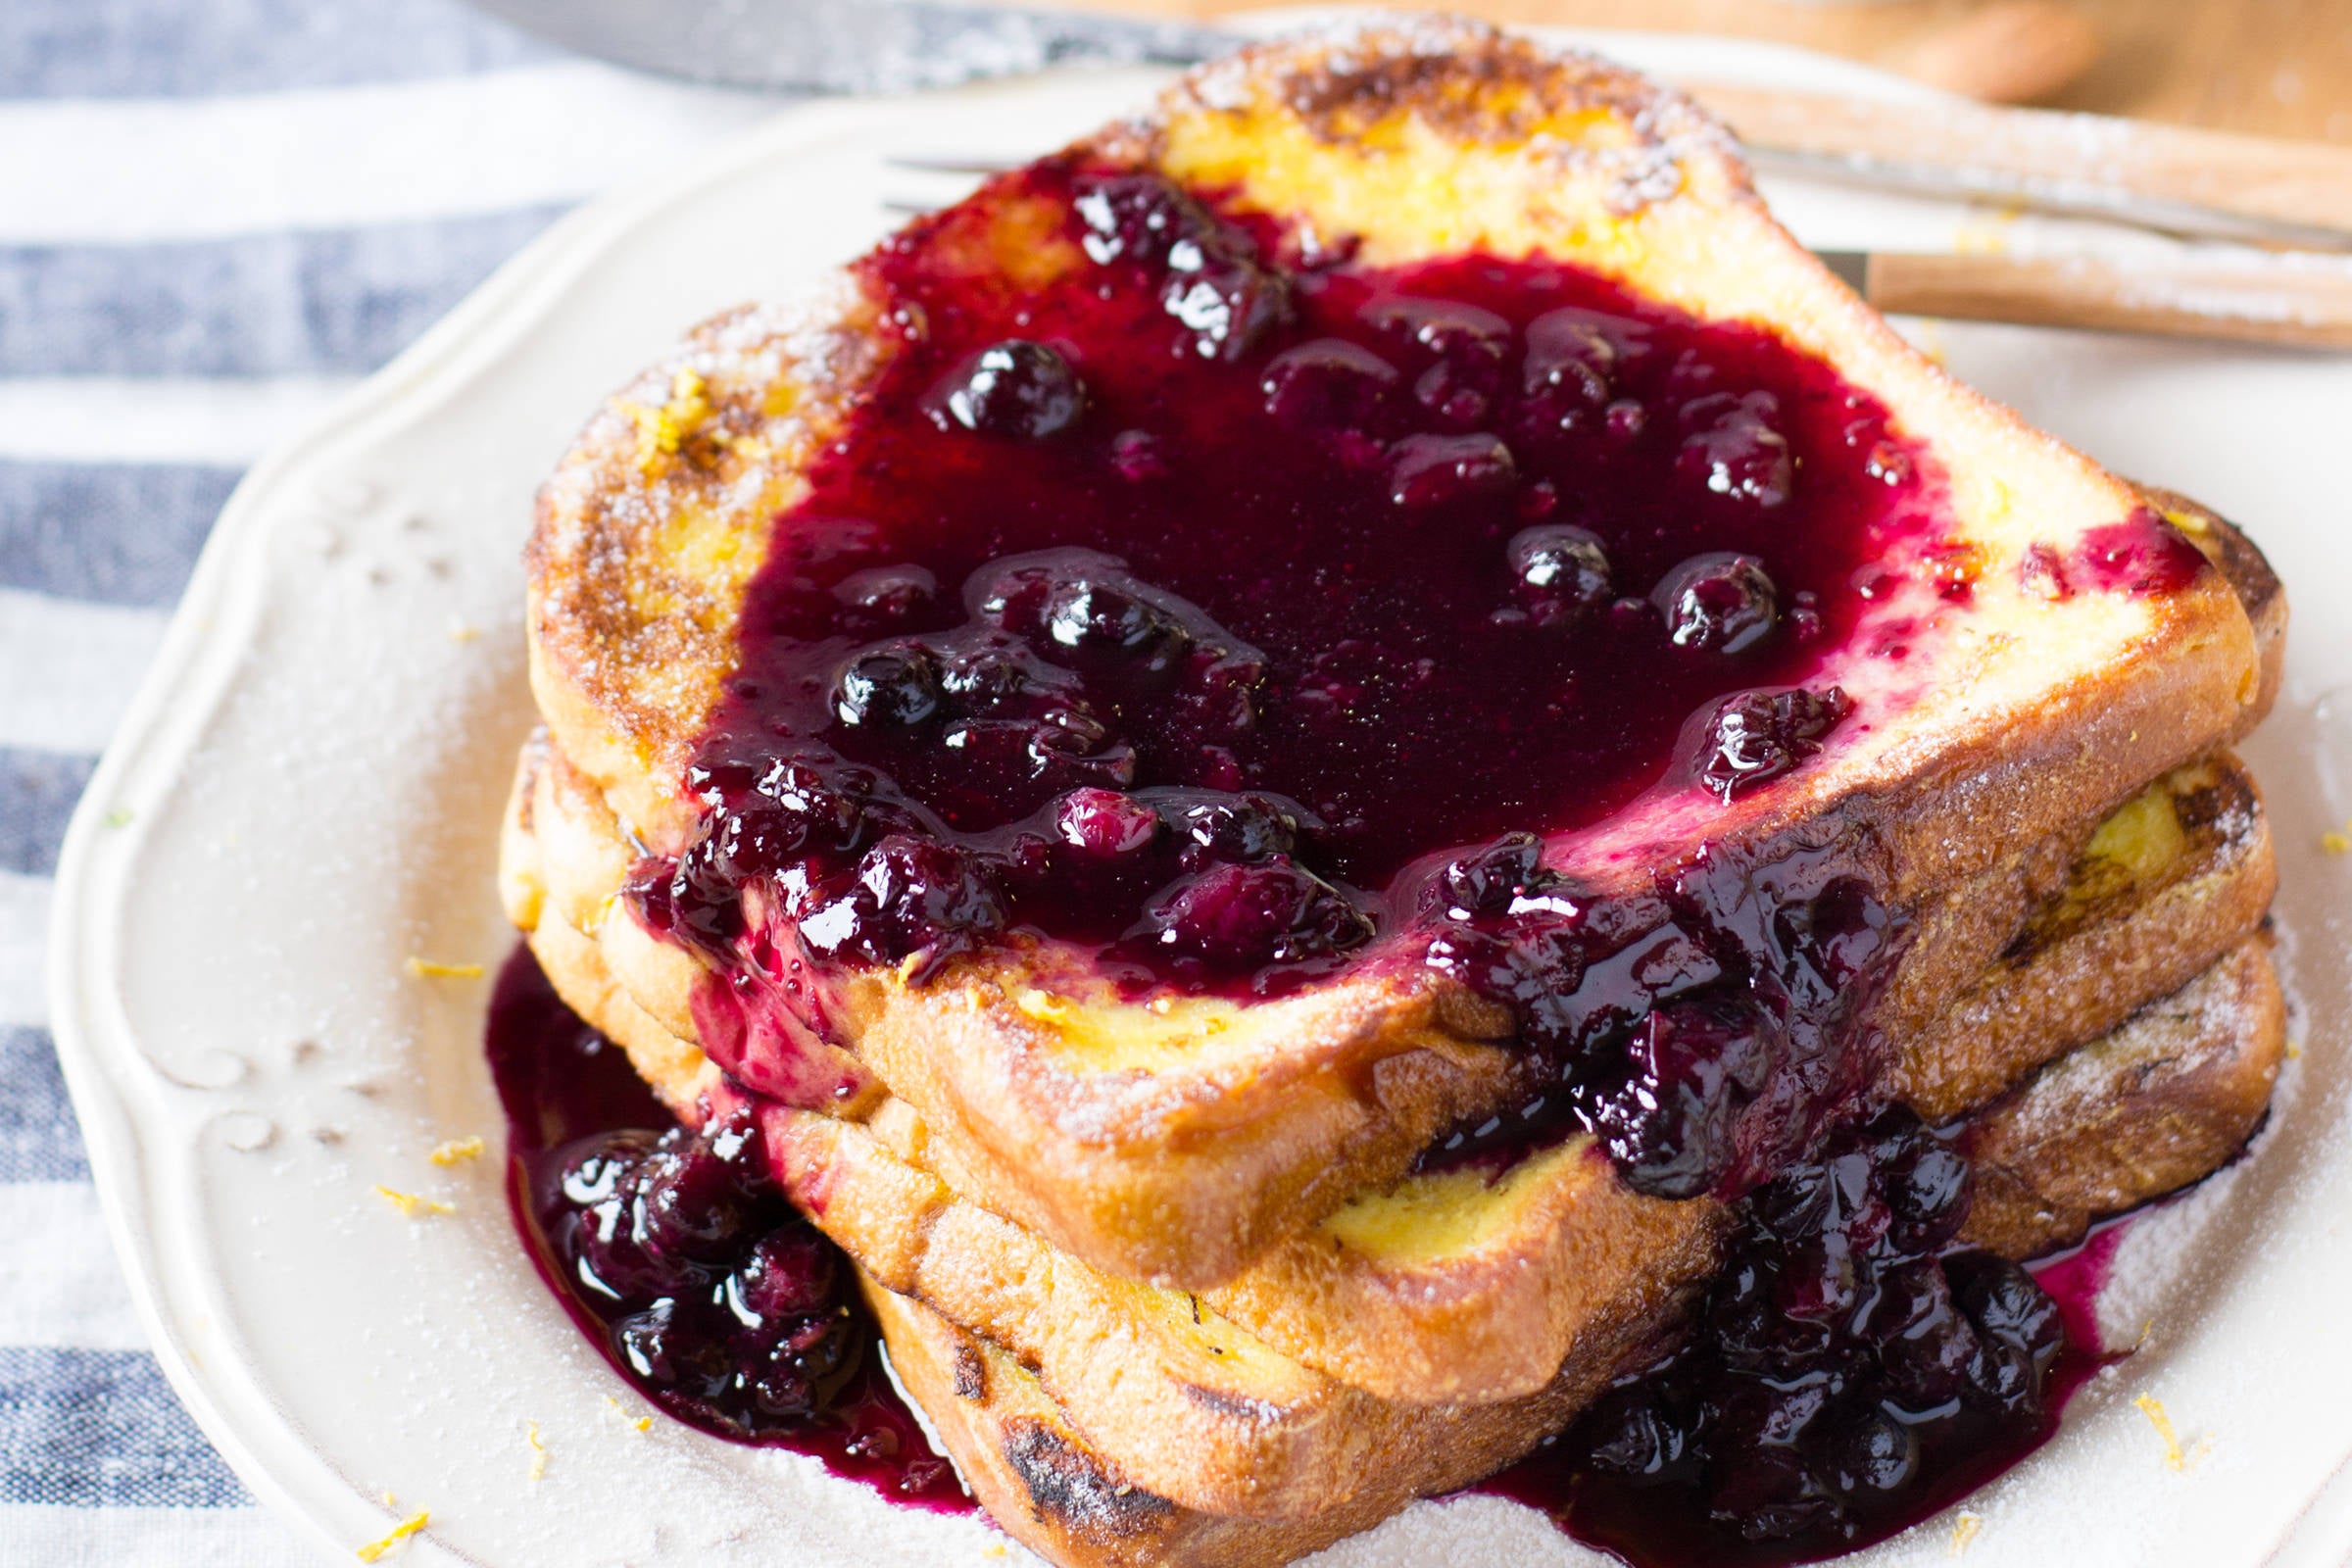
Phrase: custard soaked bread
[1272,1395]
[1321,765]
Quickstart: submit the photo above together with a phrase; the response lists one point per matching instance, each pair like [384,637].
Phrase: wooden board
[2279,68]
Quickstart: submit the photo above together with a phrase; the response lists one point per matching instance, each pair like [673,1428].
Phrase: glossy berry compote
[1849,1373]
[1199,598]
[674,1253]
[1178,585]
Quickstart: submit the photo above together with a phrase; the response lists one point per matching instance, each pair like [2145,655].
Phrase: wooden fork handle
[2160,176]
[2308,307]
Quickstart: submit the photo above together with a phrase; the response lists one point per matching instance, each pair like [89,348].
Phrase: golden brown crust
[2243,566]
[2133,924]
[647,534]
[2168,1097]
[1084,1509]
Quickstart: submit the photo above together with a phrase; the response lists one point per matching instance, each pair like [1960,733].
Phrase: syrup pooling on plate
[678,1258]
[1850,1372]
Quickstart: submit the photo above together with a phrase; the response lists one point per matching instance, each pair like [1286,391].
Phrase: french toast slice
[1197,1406]
[2190,855]
[1443,1288]
[1177,1145]
[2160,1102]
[2200,835]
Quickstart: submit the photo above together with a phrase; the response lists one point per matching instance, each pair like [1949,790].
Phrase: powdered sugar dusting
[1670,131]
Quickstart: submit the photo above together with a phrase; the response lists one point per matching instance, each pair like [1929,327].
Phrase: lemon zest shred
[463,634]
[662,431]
[400,1532]
[1043,1005]
[1964,1530]
[411,1204]
[456,1149]
[2153,1408]
[538,1450]
[428,969]
[2335,842]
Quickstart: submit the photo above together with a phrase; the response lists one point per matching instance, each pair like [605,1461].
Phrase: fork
[2300,299]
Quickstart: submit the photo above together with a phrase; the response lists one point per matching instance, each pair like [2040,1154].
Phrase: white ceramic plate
[312,780]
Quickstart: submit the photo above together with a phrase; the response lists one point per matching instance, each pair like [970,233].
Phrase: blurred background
[216,215]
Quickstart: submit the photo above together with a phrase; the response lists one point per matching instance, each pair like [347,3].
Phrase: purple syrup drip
[563,1086]
[1849,1373]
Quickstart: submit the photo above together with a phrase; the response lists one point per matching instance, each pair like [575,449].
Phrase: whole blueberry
[1560,573]
[886,596]
[790,1272]
[1238,916]
[1755,737]
[1017,389]
[1487,880]
[1329,384]
[1870,1451]
[1436,470]
[897,685]
[1735,450]
[1104,822]
[1721,601]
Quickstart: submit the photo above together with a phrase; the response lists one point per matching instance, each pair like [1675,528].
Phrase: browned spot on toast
[1070,1488]
[971,1373]
[1230,1407]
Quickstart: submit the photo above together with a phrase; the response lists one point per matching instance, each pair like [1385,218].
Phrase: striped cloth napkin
[214,215]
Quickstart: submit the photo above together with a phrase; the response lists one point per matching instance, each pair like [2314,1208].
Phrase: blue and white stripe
[212,215]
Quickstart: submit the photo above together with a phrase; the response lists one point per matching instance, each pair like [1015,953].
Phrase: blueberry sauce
[1186,598]
[1850,1372]
[679,1259]
[1155,601]
[1188,601]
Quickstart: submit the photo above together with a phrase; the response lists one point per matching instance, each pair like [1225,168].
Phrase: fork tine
[912,209]
[946,165]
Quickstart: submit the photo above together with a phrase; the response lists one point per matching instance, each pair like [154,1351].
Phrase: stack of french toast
[1406,1112]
